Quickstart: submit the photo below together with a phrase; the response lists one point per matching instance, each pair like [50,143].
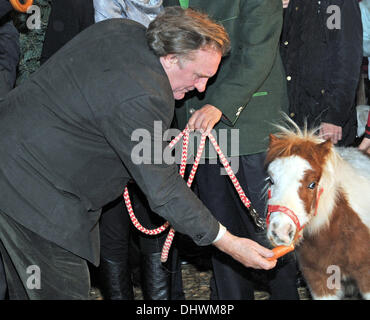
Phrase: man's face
[186,75]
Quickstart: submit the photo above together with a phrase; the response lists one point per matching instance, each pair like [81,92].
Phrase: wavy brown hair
[181,31]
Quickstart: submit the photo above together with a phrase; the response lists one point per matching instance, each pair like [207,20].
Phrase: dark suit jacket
[66,146]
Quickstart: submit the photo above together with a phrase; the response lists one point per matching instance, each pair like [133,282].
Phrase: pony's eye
[312,185]
[270,180]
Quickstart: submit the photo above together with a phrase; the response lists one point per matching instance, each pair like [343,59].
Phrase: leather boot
[115,280]
[156,279]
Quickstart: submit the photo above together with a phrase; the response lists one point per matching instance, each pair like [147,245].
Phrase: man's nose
[201,84]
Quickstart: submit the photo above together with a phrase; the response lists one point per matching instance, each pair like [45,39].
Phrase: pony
[319,200]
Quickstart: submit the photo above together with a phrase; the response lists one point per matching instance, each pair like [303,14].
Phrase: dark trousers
[231,280]
[116,227]
[119,238]
[39,269]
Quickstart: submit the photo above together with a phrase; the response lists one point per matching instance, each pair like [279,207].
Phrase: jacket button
[292,114]
[286,43]
[192,110]
[322,91]
[199,236]
[289,78]
[237,114]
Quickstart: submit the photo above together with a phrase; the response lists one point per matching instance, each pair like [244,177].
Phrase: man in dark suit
[9,58]
[66,144]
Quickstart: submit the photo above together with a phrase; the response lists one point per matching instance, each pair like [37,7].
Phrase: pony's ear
[325,146]
[273,139]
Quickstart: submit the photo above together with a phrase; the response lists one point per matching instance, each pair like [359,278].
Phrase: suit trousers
[38,269]
[231,280]
[120,240]
[116,227]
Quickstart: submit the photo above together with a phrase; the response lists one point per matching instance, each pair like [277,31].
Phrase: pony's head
[295,161]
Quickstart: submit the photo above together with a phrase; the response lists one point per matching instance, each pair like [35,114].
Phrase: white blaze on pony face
[286,174]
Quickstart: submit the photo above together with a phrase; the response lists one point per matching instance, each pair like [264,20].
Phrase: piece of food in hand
[280,251]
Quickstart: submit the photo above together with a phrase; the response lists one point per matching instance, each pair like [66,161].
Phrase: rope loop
[185,136]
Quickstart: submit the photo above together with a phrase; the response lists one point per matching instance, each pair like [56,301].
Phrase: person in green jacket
[245,100]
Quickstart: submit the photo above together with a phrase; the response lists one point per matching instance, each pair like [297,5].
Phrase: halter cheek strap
[321,190]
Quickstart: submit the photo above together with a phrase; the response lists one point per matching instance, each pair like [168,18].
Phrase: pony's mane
[291,130]
[291,140]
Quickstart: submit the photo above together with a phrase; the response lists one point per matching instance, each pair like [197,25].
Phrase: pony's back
[357,159]
[353,173]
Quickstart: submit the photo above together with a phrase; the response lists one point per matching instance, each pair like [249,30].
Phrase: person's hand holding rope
[205,118]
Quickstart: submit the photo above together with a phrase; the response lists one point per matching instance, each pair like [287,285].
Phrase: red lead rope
[185,135]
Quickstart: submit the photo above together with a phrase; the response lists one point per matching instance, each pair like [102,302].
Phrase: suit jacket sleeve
[252,58]
[346,59]
[164,188]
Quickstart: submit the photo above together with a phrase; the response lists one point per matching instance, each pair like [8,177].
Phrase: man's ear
[169,60]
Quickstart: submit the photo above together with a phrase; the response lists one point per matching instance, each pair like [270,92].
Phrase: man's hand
[246,251]
[285,3]
[331,132]
[365,145]
[205,118]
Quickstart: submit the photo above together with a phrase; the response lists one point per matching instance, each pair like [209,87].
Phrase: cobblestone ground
[196,286]
[196,275]
[196,279]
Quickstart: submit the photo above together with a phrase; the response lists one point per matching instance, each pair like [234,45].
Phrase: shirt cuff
[221,232]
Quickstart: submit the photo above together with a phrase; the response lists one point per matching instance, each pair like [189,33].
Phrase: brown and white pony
[319,199]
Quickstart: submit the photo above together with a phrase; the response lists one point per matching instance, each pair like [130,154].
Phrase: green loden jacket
[250,87]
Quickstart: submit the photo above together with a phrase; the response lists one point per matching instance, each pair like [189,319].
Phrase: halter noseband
[277,208]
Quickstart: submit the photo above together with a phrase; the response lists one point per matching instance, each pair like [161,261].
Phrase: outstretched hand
[285,3]
[246,251]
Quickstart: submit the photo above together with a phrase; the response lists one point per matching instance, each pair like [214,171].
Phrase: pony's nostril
[290,232]
[274,234]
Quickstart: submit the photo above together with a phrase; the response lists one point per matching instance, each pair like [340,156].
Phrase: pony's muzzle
[281,230]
